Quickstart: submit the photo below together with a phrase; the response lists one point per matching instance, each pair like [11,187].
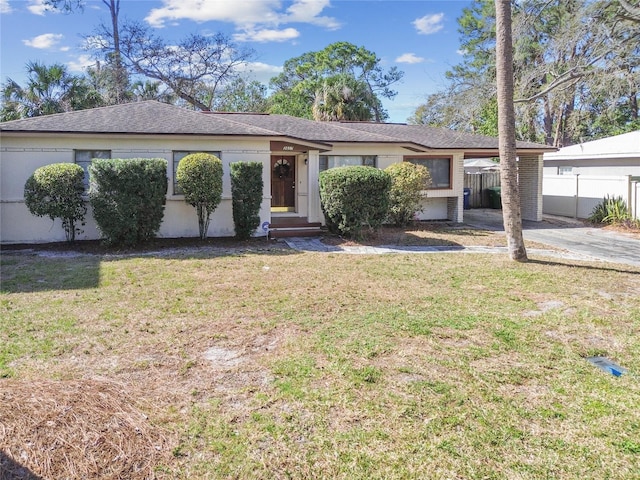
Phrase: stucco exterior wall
[20,156]
[439,204]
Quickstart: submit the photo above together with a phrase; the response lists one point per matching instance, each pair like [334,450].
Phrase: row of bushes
[355,198]
[128,195]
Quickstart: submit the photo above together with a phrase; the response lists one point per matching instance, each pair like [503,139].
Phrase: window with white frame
[332,161]
[565,170]
[84,159]
[179,155]
[439,169]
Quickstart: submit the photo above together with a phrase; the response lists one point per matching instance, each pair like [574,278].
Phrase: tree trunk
[121,75]
[511,214]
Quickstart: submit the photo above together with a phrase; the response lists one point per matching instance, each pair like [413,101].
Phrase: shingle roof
[149,117]
[152,117]
[437,138]
[307,129]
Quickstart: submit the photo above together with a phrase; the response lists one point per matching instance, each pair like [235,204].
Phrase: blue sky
[420,37]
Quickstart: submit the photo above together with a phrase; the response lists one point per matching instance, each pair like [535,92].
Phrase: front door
[283,182]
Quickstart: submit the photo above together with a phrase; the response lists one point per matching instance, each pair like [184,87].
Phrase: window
[84,158]
[565,170]
[332,161]
[179,155]
[439,169]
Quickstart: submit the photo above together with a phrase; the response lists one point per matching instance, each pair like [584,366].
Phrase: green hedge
[353,198]
[128,197]
[56,191]
[246,191]
[199,175]
[408,181]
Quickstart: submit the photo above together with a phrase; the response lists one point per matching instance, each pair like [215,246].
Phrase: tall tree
[307,77]
[571,59]
[115,77]
[507,133]
[342,97]
[195,69]
[49,89]
[242,95]
[149,90]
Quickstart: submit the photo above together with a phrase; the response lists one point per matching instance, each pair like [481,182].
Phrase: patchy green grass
[285,365]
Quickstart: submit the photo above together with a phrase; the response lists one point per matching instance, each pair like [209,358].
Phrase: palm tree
[510,193]
[343,97]
[149,90]
[48,90]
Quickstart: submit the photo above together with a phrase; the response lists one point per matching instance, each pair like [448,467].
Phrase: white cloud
[429,23]
[44,41]
[308,11]
[5,7]
[267,35]
[409,58]
[38,7]
[252,17]
[263,72]
[242,13]
[461,51]
[81,63]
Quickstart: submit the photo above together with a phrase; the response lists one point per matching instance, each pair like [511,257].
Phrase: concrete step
[282,232]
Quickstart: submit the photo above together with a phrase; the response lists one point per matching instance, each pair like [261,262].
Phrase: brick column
[454,208]
[530,184]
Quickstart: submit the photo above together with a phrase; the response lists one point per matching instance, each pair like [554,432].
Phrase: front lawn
[268,363]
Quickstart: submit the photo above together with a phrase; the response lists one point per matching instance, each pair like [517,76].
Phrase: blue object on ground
[603,363]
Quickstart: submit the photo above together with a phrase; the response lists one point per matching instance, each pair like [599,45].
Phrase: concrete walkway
[577,241]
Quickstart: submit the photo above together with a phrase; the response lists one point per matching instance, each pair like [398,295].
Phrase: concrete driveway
[568,234]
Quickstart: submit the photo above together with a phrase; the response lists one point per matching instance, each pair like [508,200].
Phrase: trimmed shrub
[199,175]
[128,197]
[408,181]
[56,191]
[246,192]
[353,198]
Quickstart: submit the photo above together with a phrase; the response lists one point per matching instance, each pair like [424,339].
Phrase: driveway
[568,234]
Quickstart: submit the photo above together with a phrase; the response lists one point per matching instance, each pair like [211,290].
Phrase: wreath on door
[282,168]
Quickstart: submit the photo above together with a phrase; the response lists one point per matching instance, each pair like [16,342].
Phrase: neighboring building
[618,155]
[292,150]
[480,165]
[577,178]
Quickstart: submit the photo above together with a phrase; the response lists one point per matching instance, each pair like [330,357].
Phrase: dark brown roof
[155,118]
[437,138]
[307,129]
[149,117]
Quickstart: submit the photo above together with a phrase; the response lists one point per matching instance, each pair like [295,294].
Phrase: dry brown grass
[77,429]
[262,364]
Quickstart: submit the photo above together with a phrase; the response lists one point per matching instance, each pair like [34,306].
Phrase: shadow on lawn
[12,470]
[39,268]
[568,263]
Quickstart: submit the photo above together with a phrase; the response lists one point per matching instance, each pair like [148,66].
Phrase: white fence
[577,195]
